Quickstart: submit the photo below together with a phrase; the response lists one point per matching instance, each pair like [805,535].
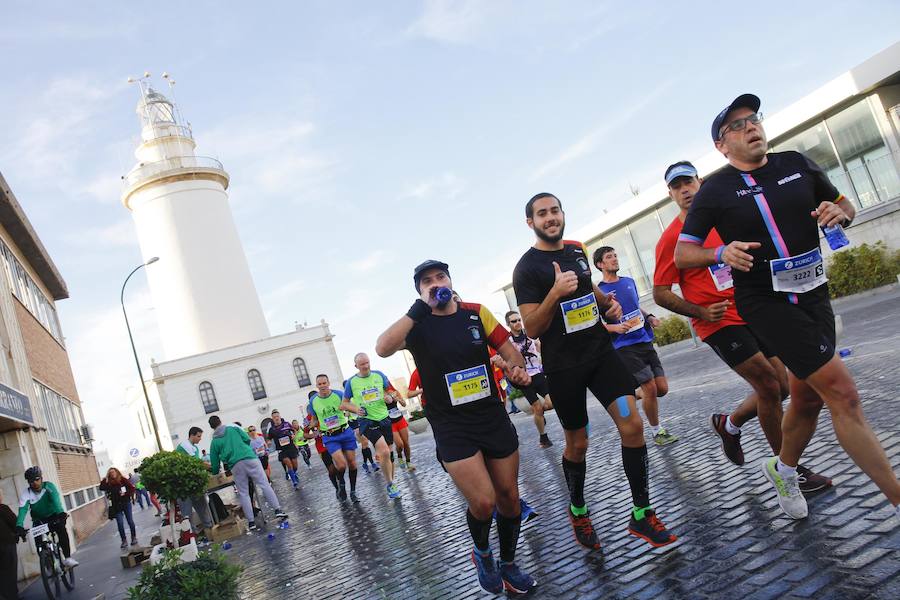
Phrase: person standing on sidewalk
[119,491]
[198,502]
[9,560]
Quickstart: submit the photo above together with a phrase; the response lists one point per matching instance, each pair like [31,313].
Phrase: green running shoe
[663,437]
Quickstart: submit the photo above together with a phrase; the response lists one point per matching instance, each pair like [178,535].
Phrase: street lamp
[134,350]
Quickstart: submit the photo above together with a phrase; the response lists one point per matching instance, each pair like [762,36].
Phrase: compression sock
[480,531]
[637,470]
[508,532]
[575,473]
[367,456]
[352,480]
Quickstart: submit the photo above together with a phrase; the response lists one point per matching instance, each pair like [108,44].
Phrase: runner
[415,388]
[537,394]
[400,429]
[361,440]
[313,433]
[768,209]
[282,434]
[326,414]
[258,444]
[231,447]
[368,387]
[561,306]
[301,442]
[709,301]
[633,340]
[477,442]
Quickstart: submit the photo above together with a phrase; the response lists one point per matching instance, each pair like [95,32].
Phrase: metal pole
[134,351]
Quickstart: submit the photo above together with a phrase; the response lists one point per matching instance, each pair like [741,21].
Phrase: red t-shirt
[698,286]
[415,383]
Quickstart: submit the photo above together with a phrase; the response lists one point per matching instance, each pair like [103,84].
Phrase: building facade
[41,421]
[849,127]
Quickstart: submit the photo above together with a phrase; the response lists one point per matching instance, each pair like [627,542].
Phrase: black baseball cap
[743,101]
[425,266]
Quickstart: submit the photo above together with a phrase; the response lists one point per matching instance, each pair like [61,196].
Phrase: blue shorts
[354,424]
[345,440]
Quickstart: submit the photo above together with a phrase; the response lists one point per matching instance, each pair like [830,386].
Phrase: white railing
[159,168]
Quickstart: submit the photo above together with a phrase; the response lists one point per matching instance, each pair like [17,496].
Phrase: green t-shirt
[368,392]
[328,411]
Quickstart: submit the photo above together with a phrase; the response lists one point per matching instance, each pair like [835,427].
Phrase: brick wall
[76,470]
[48,360]
[87,519]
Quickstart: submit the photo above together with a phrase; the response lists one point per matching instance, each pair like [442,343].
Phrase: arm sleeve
[824,189]
[701,218]
[496,333]
[23,512]
[666,273]
[214,458]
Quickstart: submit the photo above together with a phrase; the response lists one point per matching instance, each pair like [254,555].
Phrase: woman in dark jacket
[119,491]
[9,567]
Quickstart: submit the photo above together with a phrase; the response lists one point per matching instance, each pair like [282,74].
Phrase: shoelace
[584,525]
[792,485]
[655,523]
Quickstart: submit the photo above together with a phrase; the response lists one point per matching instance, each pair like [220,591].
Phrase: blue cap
[743,101]
[680,170]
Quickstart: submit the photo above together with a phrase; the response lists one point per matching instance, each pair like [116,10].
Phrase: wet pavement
[734,540]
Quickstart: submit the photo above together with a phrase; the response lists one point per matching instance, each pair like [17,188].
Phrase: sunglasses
[741,124]
[515,320]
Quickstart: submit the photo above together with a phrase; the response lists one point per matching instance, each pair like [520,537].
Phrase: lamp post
[134,350]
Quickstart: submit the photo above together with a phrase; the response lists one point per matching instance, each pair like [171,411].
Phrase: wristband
[719,252]
[418,311]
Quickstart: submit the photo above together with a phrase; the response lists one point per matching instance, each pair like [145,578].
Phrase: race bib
[798,274]
[580,313]
[332,422]
[468,385]
[284,441]
[395,413]
[369,395]
[721,276]
[261,451]
[634,320]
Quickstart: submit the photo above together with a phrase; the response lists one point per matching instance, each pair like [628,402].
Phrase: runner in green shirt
[301,442]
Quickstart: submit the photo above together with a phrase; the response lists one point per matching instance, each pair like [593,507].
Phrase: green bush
[210,577]
[861,268]
[671,329]
[515,392]
[173,475]
[417,414]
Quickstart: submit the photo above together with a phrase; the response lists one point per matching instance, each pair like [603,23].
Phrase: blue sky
[362,139]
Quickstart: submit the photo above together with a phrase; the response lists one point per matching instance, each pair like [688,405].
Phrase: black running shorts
[802,335]
[736,343]
[642,361]
[537,390]
[288,452]
[375,430]
[606,377]
[495,436]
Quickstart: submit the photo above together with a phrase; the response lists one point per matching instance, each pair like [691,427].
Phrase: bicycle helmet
[32,473]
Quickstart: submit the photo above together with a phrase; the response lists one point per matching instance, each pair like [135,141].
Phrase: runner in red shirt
[708,299]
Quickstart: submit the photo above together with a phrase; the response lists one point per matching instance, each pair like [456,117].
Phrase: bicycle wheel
[49,574]
[67,575]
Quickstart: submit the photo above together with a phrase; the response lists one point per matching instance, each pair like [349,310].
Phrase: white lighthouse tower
[202,289]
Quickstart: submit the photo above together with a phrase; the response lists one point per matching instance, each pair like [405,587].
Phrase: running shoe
[651,529]
[410,467]
[353,497]
[280,514]
[124,544]
[296,485]
[252,526]
[392,491]
[545,441]
[513,409]
[375,467]
[402,464]
[366,468]
[515,580]
[663,437]
[810,482]
[342,494]
[528,513]
[70,563]
[788,489]
[134,542]
[584,530]
[488,575]
[731,443]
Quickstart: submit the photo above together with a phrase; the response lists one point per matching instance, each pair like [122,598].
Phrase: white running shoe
[788,489]
[70,563]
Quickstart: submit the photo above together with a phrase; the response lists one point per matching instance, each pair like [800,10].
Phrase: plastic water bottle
[835,236]
[443,295]
[845,352]
[284,525]
[271,536]
[226,546]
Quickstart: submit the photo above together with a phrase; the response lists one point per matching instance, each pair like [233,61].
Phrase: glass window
[301,372]
[208,397]
[256,384]
[78,498]
[646,232]
[814,143]
[68,500]
[90,493]
[629,261]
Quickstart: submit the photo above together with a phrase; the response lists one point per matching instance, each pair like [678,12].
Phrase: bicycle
[50,558]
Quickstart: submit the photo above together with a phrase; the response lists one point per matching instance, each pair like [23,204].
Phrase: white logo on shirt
[789,178]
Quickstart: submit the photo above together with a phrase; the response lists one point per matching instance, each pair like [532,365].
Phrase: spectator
[198,502]
[9,566]
[119,490]
[204,456]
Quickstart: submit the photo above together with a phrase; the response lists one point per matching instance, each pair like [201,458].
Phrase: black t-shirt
[451,352]
[576,334]
[770,205]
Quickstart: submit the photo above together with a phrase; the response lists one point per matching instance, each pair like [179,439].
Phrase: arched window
[264,426]
[301,372]
[208,397]
[256,385]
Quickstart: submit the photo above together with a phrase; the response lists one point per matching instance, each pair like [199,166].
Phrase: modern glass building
[849,127]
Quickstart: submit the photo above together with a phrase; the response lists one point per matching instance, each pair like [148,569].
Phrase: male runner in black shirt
[561,306]
[475,439]
[768,209]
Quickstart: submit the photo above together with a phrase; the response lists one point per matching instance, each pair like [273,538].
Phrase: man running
[313,433]
[43,500]
[561,306]
[231,447]
[537,394]
[301,442]
[365,450]
[328,417]
[709,302]
[198,502]
[478,445]
[400,429]
[768,209]
[282,434]
[633,340]
[368,387]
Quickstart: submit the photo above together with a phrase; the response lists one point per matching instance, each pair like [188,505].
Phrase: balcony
[201,167]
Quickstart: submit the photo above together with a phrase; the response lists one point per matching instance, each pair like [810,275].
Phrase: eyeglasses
[740,124]
[515,320]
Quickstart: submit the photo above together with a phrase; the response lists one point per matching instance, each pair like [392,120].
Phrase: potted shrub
[521,402]
[209,577]
[174,475]
[417,421]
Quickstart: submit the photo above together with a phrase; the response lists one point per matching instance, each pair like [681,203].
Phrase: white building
[220,357]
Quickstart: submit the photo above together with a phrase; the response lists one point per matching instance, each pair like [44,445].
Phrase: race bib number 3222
[580,313]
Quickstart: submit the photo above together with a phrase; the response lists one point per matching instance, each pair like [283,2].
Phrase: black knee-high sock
[637,470]
[339,475]
[575,473]
[352,480]
[333,477]
[367,456]
[480,531]
[508,530]
[392,456]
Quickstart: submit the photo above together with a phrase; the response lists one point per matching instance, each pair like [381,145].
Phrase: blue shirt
[626,295]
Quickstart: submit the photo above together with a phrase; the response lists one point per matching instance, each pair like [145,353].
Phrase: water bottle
[443,295]
[226,546]
[835,236]
[845,352]
[271,536]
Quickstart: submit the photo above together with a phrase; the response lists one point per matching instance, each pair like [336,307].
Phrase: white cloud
[369,263]
[447,186]
[119,234]
[451,21]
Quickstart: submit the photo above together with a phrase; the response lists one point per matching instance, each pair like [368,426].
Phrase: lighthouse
[203,293]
